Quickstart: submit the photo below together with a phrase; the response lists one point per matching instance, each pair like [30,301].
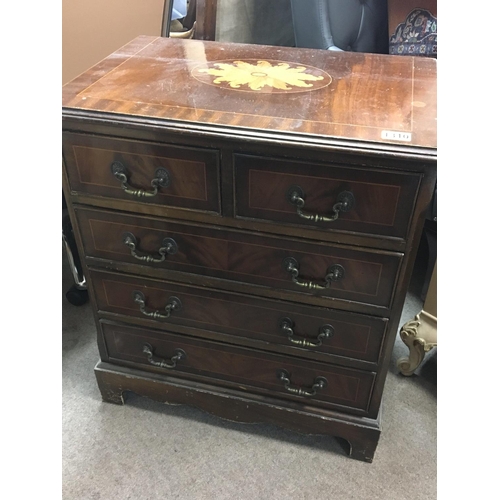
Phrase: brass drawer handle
[334,273]
[319,384]
[172,363]
[173,305]
[296,196]
[287,325]
[169,247]
[161,179]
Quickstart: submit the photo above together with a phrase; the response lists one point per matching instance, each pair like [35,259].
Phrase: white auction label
[396,136]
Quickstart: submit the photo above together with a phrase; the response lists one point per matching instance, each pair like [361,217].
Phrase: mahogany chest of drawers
[248,219]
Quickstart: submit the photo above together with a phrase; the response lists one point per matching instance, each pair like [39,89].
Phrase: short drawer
[320,384]
[327,197]
[129,170]
[306,267]
[276,323]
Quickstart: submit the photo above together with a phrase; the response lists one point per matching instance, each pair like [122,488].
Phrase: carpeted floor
[146,450]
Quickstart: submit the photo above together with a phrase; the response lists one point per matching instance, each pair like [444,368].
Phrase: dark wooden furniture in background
[206,17]
[249,218]
[201,17]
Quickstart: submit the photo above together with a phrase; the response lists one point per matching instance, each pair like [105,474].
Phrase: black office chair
[345,25]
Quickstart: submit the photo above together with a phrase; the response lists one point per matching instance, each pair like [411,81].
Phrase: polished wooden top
[351,96]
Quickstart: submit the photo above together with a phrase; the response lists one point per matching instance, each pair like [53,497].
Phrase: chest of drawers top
[367,100]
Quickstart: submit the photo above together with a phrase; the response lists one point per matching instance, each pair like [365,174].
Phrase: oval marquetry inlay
[254,75]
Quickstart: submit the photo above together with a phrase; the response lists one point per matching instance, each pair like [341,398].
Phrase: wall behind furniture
[92,29]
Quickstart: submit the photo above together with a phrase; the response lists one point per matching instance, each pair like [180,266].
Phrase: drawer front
[229,365]
[189,176]
[277,323]
[366,276]
[378,203]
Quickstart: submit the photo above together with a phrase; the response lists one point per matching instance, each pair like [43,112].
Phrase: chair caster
[76,296]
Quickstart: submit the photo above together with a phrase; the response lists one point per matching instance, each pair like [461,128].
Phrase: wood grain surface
[193,173]
[237,366]
[355,336]
[382,200]
[368,97]
[370,276]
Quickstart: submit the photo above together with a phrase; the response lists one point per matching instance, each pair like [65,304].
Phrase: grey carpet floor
[147,450]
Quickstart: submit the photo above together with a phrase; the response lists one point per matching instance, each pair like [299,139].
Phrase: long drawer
[185,177]
[334,197]
[315,383]
[302,328]
[324,269]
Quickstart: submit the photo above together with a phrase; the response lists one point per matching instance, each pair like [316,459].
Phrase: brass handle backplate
[162,363]
[169,247]
[296,196]
[333,273]
[318,384]
[161,179]
[287,327]
[173,305]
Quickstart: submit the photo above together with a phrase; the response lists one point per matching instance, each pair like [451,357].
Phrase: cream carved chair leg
[420,333]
